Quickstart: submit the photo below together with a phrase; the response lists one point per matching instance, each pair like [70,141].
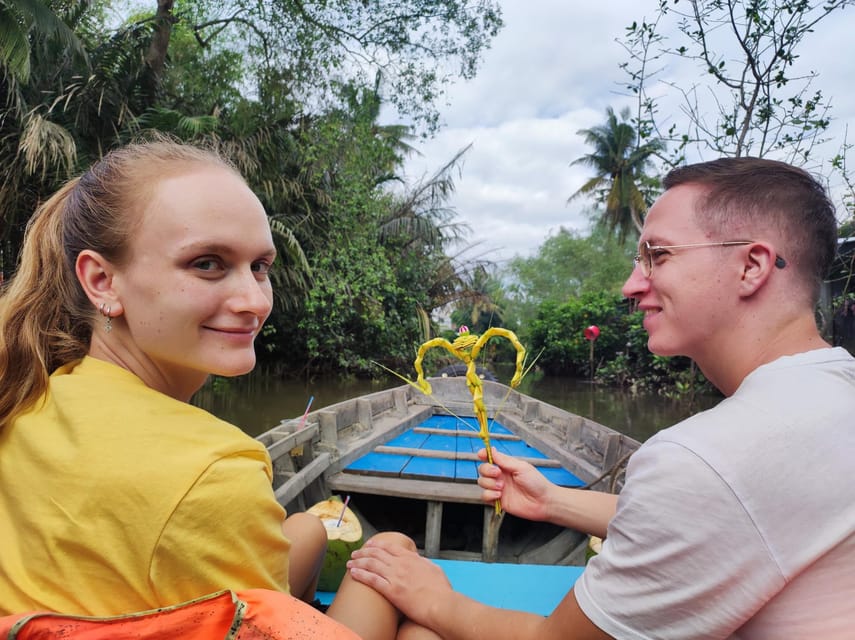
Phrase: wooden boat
[325,454]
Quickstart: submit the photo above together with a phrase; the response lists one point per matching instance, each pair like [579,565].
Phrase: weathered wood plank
[284,445]
[295,485]
[408,439]
[490,539]
[433,528]
[440,442]
[385,427]
[561,545]
[406,488]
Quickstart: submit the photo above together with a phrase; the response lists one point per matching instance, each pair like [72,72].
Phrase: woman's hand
[522,489]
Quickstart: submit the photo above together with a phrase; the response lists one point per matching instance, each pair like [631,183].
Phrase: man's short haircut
[760,195]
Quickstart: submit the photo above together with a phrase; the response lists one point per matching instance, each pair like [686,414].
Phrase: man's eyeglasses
[647,253]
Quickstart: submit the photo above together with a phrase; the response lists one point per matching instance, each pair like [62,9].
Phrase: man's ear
[758,265]
[95,274]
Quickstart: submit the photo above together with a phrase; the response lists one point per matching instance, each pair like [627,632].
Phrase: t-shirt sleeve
[682,557]
[226,533]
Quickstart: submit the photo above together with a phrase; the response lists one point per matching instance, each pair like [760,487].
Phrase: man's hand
[413,584]
[522,489]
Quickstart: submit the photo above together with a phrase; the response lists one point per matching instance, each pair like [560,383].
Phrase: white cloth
[740,521]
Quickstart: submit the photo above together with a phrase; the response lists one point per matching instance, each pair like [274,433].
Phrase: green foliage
[346,318]
[558,331]
[636,368]
[342,319]
[374,257]
[484,303]
[566,265]
[25,23]
[620,354]
[417,46]
[206,80]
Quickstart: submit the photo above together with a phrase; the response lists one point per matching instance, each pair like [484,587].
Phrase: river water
[258,401]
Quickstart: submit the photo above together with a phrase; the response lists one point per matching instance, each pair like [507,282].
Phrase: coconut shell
[595,545]
[344,536]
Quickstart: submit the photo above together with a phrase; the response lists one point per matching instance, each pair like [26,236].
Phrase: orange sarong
[253,614]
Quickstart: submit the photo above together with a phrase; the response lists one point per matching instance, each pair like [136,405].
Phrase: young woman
[137,281]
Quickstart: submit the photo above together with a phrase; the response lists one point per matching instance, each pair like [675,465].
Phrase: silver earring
[104,309]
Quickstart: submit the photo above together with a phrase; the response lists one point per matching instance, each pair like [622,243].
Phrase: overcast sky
[551,71]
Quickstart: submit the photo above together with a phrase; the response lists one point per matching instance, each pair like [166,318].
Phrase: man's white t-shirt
[740,521]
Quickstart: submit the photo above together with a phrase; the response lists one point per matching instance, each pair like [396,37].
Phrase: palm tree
[619,161]
[482,301]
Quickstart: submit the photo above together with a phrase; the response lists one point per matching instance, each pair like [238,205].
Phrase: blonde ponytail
[43,312]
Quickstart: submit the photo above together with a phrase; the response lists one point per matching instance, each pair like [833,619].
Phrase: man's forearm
[458,617]
[583,510]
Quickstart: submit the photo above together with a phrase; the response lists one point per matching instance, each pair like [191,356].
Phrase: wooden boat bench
[535,588]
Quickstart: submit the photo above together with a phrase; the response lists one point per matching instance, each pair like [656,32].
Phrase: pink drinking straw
[343,509]
[306,413]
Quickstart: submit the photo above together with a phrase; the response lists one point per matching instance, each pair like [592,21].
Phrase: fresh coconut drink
[344,536]
[595,546]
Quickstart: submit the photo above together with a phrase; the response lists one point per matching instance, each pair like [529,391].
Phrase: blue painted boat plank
[408,439]
[380,463]
[519,449]
[461,470]
[439,422]
[500,446]
[467,444]
[524,587]
[466,424]
[429,468]
[440,443]
[497,427]
[465,470]
[561,477]
[535,588]
[452,423]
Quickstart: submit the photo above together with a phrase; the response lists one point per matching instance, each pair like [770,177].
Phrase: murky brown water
[257,402]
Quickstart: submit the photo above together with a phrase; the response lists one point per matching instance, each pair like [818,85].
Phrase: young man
[740,521]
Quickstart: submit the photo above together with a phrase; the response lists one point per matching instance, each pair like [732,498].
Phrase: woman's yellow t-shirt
[117,498]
